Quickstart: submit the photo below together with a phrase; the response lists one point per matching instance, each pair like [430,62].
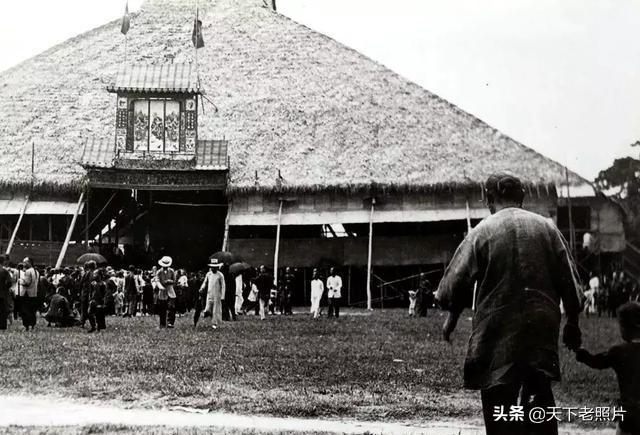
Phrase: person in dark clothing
[199,298]
[264,282]
[147,295]
[229,301]
[5,293]
[85,290]
[97,301]
[624,359]
[523,270]
[60,313]
[424,297]
[286,292]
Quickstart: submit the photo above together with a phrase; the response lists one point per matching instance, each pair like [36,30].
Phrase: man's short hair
[629,315]
[503,187]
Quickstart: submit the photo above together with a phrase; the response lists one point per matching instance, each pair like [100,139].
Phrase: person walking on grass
[229,295]
[29,295]
[334,293]
[85,290]
[131,292]
[523,270]
[97,300]
[165,279]
[264,282]
[5,293]
[214,287]
[624,359]
[317,290]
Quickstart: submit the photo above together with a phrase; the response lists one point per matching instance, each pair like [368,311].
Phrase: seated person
[59,312]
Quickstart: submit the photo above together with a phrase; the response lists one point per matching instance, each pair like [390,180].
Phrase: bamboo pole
[369,254]
[67,239]
[475,284]
[86,223]
[277,253]
[572,234]
[225,239]
[15,229]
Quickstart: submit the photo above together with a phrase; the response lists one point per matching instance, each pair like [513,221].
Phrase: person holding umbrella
[214,286]
[165,279]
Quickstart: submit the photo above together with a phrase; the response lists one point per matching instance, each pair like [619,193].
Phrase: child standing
[413,297]
[118,298]
[624,358]
[273,300]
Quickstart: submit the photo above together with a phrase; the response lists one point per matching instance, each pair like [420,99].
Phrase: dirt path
[52,411]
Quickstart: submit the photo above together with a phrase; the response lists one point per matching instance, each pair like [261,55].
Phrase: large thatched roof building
[314,131]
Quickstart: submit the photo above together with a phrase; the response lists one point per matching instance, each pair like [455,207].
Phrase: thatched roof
[289,99]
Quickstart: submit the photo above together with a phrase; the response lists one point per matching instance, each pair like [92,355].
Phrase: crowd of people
[89,293]
[606,293]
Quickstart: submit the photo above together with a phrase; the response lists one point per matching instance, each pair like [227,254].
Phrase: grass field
[378,366]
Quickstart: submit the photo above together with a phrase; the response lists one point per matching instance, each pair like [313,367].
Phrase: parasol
[91,256]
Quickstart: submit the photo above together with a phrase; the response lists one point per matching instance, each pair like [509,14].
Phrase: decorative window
[156,125]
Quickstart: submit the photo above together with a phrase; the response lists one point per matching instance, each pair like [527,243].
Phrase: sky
[562,77]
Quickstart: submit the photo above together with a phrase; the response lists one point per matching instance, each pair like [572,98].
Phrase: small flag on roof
[126,21]
[196,35]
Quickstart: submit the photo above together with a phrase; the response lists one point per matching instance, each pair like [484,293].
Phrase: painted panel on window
[140,125]
[172,126]
[156,126]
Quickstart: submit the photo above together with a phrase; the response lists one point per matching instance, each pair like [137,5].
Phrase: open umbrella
[225,257]
[237,268]
[91,256]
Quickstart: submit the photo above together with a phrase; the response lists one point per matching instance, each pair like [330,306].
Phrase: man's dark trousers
[334,307]
[533,392]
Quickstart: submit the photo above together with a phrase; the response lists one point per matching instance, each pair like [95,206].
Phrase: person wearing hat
[29,294]
[215,288]
[165,279]
[514,268]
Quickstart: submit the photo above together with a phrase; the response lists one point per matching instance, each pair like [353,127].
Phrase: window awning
[354,216]
[14,207]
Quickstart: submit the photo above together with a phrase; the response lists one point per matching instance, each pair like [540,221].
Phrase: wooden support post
[225,239]
[468,217]
[17,227]
[349,287]
[50,250]
[304,287]
[86,223]
[373,203]
[277,253]
[72,225]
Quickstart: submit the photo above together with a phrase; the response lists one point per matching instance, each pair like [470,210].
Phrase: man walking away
[5,293]
[29,295]
[317,289]
[334,293]
[523,270]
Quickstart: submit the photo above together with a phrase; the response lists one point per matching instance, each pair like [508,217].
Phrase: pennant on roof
[126,21]
[196,35]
